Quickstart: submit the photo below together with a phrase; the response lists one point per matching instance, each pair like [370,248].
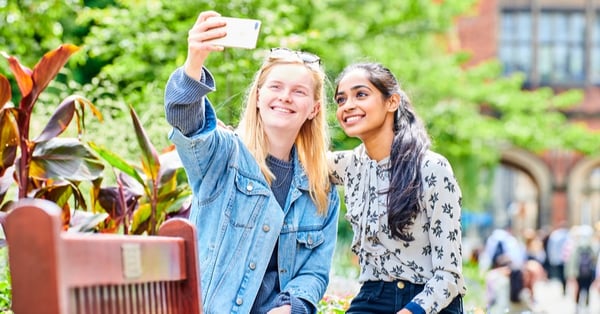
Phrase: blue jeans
[391,297]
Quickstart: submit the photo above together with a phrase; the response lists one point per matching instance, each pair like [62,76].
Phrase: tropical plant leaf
[22,75]
[117,162]
[132,185]
[150,159]
[6,206]
[5,91]
[63,115]
[6,181]
[82,221]
[9,138]
[49,66]
[109,200]
[140,220]
[64,158]
[174,201]
[60,192]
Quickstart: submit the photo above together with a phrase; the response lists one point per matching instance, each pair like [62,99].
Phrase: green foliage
[47,166]
[475,299]
[5,289]
[130,47]
[145,195]
[332,304]
[52,167]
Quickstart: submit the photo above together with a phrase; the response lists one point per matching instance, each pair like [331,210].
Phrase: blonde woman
[265,209]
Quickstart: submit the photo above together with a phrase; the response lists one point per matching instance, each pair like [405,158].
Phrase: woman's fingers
[208,26]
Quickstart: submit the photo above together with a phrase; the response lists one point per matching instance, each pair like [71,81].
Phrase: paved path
[552,301]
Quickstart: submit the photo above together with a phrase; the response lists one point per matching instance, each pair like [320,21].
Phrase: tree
[130,47]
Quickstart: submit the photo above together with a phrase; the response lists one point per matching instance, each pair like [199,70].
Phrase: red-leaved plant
[53,167]
[47,166]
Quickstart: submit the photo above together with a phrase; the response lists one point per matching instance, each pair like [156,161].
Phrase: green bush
[5,292]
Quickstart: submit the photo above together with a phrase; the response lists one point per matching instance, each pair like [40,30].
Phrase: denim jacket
[238,218]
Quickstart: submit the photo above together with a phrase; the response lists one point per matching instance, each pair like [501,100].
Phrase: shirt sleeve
[442,198]
[337,163]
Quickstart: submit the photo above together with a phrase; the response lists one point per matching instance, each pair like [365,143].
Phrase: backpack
[587,263]
[498,252]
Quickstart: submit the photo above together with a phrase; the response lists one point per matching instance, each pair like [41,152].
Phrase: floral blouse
[434,257]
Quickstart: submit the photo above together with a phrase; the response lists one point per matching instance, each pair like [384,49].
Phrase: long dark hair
[410,144]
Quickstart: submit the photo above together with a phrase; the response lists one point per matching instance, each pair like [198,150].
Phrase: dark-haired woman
[402,200]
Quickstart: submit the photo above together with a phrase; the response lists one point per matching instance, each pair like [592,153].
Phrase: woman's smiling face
[362,110]
[286,99]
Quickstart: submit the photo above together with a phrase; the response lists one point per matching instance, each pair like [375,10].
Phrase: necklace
[281,181]
[281,170]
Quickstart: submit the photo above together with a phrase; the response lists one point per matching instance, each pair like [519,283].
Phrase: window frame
[589,60]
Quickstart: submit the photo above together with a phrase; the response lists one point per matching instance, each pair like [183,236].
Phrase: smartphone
[241,33]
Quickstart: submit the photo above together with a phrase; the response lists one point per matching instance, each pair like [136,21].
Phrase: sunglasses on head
[306,57]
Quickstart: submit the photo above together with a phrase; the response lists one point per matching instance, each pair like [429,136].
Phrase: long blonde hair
[312,141]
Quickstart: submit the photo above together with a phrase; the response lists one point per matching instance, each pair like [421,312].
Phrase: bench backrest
[58,272]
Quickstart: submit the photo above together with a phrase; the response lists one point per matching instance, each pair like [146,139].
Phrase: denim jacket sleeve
[185,99]
[193,119]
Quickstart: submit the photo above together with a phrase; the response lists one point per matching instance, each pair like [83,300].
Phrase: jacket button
[252,266]
[400,285]
[239,301]
[266,228]
[310,240]
[249,187]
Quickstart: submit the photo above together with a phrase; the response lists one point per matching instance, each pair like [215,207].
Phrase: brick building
[555,43]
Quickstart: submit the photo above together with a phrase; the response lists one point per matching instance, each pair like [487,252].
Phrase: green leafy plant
[47,166]
[5,289]
[145,195]
[334,304]
[53,167]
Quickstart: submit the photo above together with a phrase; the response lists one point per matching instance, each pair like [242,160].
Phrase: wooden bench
[58,272]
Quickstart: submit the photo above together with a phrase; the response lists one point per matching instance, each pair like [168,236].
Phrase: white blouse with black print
[434,257]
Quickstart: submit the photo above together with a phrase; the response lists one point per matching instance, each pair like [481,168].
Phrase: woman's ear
[315,110]
[393,103]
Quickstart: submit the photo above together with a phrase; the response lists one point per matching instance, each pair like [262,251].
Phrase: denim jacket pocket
[310,239]
[249,198]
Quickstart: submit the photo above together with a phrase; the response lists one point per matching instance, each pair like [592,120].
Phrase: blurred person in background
[580,268]
[502,241]
[555,252]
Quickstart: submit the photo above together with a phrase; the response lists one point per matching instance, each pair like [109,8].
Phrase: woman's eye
[361,94]
[301,92]
[340,100]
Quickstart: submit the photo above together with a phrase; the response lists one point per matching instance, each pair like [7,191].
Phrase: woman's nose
[285,95]
[348,104]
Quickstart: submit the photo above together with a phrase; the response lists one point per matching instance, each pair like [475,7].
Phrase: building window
[561,47]
[515,41]
[549,46]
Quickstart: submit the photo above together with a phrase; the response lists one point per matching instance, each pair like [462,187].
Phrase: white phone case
[241,33]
